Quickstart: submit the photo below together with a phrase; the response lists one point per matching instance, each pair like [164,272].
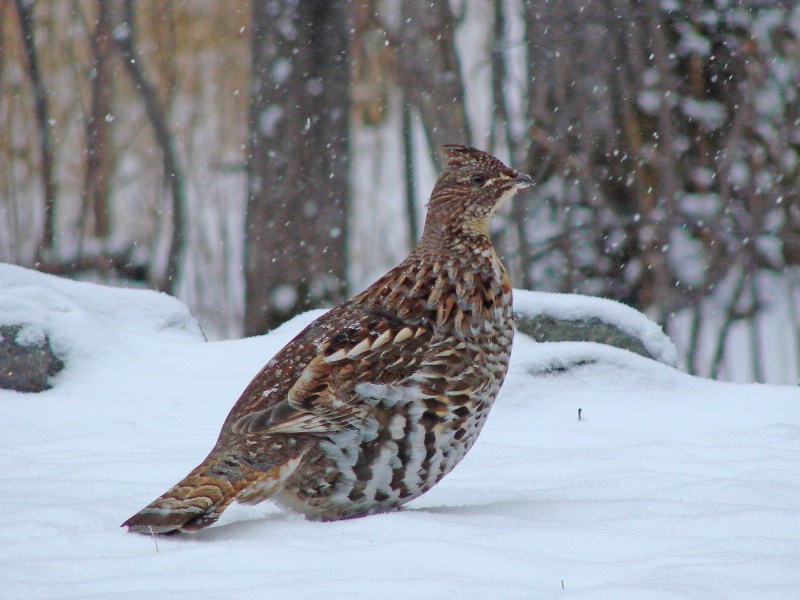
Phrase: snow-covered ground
[668,486]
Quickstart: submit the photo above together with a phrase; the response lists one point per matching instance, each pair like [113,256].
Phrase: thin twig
[153,533]
[730,317]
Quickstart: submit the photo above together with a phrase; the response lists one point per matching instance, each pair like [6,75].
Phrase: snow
[692,41]
[575,307]
[281,70]
[284,297]
[710,113]
[669,486]
[30,335]
[83,318]
[649,101]
[268,120]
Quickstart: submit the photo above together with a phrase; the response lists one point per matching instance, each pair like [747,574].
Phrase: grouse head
[472,186]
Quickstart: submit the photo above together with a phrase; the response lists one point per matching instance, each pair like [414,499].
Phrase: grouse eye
[477,181]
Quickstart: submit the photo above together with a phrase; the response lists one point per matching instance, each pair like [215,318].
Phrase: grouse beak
[522,181]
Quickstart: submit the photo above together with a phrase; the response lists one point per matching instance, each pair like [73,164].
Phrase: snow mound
[28,296]
[575,307]
[666,485]
[84,319]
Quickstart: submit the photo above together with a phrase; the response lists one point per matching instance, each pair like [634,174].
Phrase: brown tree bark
[428,68]
[25,12]
[99,158]
[297,160]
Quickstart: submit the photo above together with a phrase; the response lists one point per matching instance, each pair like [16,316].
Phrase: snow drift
[668,486]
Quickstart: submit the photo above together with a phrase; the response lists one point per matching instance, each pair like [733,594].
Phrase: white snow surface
[668,487]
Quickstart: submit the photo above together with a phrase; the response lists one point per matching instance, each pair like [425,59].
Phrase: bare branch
[124,34]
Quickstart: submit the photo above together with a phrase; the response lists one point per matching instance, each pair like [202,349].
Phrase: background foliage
[142,141]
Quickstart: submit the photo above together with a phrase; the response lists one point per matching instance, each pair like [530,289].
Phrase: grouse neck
[449,238]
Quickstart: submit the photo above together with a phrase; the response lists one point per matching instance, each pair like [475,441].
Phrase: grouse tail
[200,498]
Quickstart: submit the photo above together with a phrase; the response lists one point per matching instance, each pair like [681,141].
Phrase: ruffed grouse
[378,399]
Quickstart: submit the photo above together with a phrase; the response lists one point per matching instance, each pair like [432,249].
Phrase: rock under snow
[26,359]
[58,319]
[550,317]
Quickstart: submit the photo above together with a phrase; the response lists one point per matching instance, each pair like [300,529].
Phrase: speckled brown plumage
[378,399]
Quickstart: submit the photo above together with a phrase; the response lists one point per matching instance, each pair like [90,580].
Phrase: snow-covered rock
[81,319]
[548,317]
[33,297]
[26,359]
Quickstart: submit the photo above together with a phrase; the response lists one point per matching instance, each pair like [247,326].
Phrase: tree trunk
[99,161]
[44,125]
[430,73]
[297,160]
[409,176]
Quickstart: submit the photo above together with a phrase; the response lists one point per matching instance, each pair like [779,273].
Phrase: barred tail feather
[195,502]
[200,498]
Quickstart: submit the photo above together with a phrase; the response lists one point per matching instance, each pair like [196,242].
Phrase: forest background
[259,159]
